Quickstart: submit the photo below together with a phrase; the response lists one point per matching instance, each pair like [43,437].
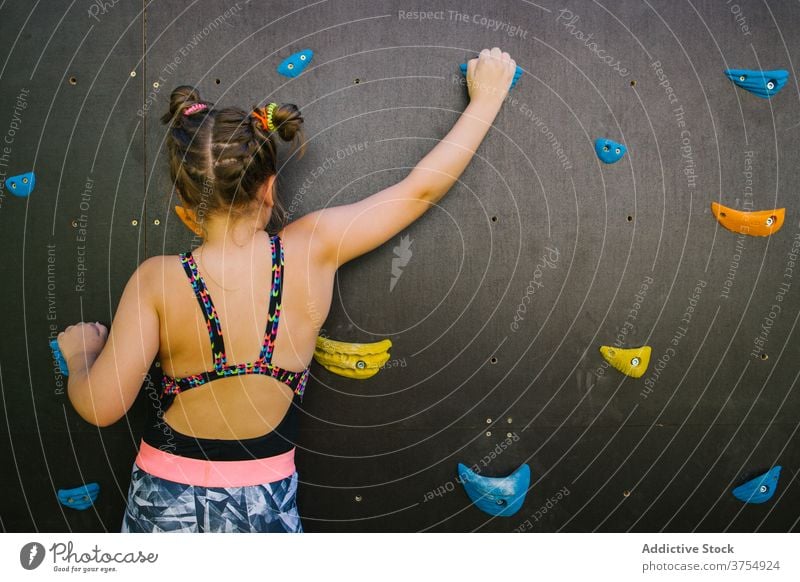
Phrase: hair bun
[181,99]
[287,121]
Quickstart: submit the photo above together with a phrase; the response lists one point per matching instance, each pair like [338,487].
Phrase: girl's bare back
[244,406]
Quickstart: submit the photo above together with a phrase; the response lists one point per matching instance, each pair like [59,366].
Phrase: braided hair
[219,158]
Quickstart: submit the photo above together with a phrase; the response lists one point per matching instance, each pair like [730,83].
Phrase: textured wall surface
[496,300]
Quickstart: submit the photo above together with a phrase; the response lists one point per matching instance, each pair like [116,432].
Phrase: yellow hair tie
[264,116]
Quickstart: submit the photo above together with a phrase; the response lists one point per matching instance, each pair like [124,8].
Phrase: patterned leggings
[159,505]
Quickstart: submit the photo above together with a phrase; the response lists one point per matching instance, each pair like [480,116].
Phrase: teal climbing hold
[80,497]
[763,84]
[293,65]
[760,489]
[500,496]
[59,358]
[608,150]
[21,185]
[517,74]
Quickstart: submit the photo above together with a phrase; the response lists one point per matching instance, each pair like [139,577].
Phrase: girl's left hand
[82,338]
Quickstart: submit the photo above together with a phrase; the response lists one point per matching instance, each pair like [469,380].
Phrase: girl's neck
[229,231]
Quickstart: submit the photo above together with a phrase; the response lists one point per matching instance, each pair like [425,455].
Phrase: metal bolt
[133,73]
[358,498]
[156,222]
[74,224]
[155,85]
[508,420]
[488,421]
[488,433]
[135,222]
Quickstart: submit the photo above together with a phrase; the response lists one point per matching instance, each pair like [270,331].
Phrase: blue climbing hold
[608,150]
[59,358]
[21,185]
[763,84]
[293,65]
[501,496]
[760,489]
[517,74]
[80,497]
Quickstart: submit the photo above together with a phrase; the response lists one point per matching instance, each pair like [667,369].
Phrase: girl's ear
[266,190]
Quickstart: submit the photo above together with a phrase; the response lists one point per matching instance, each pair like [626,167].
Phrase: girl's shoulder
[158,271]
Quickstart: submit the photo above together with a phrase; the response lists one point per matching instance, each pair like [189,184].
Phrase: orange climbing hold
[755,223]
[189,219]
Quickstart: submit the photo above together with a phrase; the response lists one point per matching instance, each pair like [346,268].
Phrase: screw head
[635,362]
[742,78]
[770,85]
[361,364]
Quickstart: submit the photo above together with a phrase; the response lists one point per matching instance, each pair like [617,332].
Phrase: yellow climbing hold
[352,360]
[632,362]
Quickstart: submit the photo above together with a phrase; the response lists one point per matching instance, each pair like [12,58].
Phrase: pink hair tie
[192,109]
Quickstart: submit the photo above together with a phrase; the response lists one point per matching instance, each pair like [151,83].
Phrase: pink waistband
[214,473]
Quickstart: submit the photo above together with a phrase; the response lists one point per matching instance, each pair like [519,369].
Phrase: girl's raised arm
[345,232]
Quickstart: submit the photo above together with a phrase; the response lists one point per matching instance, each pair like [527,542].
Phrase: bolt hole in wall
[633,82]
[630,218]
[73,80]
[493,360]
[764,356]
[217,81]
[494,219]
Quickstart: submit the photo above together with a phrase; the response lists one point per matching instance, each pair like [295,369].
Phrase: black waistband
[160,435]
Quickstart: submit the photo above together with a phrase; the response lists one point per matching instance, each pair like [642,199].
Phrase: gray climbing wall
[496,301]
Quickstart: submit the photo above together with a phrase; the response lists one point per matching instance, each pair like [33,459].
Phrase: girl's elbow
[91,414]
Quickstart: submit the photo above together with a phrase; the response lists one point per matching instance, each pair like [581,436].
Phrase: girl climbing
[234,322]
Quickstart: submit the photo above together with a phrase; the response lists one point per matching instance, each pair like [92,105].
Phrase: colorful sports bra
[295,380]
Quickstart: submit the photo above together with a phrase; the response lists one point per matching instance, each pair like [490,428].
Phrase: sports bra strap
[275,296]
[207,307]
[210,313]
